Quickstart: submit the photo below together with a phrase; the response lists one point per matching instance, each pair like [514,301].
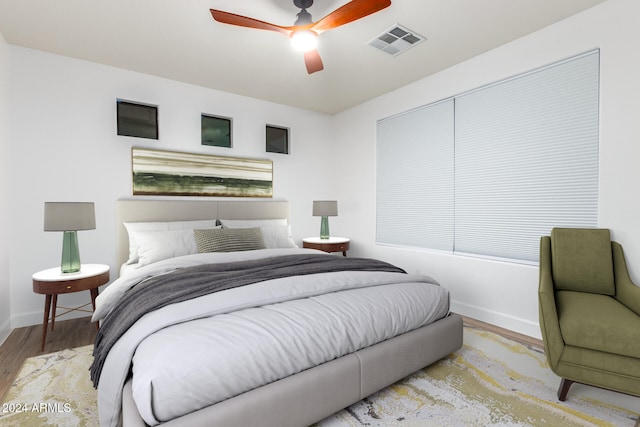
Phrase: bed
[290,336]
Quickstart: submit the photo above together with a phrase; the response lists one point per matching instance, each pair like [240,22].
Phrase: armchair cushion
[582,260]
[598,322]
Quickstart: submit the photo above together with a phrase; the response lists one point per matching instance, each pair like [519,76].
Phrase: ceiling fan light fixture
[304,32]
[304,40]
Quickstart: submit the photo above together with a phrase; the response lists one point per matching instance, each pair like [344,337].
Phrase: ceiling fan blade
[312,61]
[244,21]
[350,12]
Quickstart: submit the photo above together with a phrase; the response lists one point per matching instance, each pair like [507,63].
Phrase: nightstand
[53,282]
[332,244]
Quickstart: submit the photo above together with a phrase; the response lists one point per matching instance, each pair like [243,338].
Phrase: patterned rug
[491,381]
[53,390]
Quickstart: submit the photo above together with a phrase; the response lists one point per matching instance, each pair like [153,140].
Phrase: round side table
[332,244]
[52,282]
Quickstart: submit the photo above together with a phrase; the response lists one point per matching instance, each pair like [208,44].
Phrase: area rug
[52,390]
[491,381]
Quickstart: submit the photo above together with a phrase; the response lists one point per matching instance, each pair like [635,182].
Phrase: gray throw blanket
[193,282]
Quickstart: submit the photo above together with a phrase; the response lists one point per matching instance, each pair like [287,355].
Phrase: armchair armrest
[548,314]
[626,291]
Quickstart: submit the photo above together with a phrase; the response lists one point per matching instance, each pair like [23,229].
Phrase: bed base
[312,395]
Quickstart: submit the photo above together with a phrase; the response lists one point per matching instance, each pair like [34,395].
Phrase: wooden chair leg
[564,389]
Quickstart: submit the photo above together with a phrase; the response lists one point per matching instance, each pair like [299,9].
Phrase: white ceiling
[179,40]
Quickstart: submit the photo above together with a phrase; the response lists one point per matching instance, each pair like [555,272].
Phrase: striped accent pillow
[228,239]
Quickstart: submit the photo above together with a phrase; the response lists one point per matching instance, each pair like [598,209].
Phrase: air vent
[396,40]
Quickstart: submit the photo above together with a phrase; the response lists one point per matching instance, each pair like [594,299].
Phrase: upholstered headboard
[136,210]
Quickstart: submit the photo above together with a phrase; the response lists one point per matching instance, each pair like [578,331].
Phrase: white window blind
[526,159]
[415,178]
[513,160]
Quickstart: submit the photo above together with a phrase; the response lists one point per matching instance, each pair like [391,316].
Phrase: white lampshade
[325,208]
[69,216]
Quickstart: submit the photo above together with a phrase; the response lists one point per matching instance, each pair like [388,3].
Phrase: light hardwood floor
[515,336]
[25,342]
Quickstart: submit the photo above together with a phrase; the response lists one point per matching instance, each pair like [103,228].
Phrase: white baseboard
[5,331]
[36,318]
[513,323]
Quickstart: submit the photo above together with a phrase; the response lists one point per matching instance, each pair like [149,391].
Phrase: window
[138,120]
[215,131]
[415,178]
[514,159]
[277,139]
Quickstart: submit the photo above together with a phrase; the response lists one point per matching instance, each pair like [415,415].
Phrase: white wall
[64,147]
[502,293]
[4,191]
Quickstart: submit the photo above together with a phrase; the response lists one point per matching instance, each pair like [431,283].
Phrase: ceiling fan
[304,31]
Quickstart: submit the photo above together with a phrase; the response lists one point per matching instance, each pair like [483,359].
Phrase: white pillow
[154,246]
[275,232]
[277,236]
[134,227]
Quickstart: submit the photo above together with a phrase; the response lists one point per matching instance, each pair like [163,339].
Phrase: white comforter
[242,338]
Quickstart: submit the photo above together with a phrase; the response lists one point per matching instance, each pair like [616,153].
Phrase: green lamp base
[324,227]
[70,253]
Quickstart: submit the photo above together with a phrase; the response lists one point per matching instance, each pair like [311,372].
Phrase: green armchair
[589,311]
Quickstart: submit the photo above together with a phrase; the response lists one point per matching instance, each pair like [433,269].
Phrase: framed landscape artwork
[170,173]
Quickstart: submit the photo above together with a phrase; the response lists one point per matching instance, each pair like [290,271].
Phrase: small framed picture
[277,139]
[137,120]
[216,131]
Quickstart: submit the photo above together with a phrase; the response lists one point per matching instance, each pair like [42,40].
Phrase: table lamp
[69,217]
[325,209]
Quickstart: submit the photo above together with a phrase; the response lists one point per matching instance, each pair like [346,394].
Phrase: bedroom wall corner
[503,293]
[5,289]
